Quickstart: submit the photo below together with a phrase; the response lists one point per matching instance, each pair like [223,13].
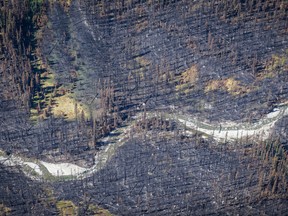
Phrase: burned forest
[143,107]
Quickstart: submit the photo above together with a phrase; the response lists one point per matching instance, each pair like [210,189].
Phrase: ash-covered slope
[217,60]
[165,173]
[146,70]
[19,195]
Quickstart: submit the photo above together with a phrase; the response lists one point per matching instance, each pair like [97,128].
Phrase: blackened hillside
[72,72]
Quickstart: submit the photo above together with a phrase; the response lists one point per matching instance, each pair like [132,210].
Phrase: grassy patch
[277,64]
[48,81]
[66,208]
[2,153]
[64,107]
[4,210]
[187,79]
[96,210]
[230,85]
[190,75]
[29,170]
[55,100]
[142,61]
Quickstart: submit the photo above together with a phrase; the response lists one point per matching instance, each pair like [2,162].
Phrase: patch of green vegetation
[49,80]
[277,64]
[28,169]
[49,97]
[2,153]
[96,210]
[66,208]
[4,210]
[230,85]
[66,106]
[142,61]
[187,79]
[55,100]
[33,115]
[182,86]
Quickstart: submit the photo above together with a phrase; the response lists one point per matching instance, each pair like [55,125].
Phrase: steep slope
[144,107]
